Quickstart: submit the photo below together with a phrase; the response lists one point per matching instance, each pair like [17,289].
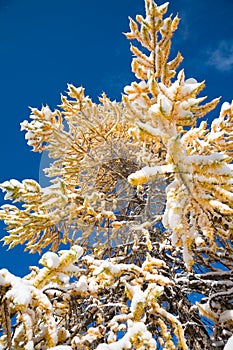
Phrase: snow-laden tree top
[143,195]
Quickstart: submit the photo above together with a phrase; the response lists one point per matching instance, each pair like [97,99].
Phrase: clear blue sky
[45,44]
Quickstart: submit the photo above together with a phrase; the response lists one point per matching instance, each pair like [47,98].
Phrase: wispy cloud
[222,56]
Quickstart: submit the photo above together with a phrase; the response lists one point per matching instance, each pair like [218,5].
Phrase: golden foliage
[128,178]
[60,310]
[90,191]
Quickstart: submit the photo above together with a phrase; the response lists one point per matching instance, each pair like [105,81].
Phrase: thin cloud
[222,57]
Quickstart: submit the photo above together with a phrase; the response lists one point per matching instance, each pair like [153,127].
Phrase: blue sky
[45,44]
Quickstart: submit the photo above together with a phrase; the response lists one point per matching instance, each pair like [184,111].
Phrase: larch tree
[137,217]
